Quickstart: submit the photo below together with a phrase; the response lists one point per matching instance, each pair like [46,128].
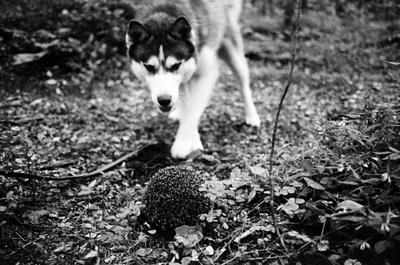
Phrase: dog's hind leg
[234,57]
[196,99]
[232,52]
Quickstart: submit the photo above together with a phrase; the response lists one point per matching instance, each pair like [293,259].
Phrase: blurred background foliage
[43,38]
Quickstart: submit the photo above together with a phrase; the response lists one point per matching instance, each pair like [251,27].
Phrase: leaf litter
[336,177]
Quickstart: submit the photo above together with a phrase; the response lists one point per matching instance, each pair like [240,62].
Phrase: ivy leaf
[91,254]
[189,236]
[27,57]
[296,234]
[290,206]
[236,173]
[352,262]
[349,206]
[143,252]
[186,260]
[323,245]
[252,195]
[34,216]
[251,231]
[313,184]
[258,171]
[382,245]
[209,251]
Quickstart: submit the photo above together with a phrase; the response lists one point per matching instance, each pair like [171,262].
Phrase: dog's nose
[164,100]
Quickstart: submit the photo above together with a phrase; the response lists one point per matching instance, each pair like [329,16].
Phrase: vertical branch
[295,35]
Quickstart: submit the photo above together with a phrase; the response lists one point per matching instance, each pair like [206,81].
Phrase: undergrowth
[336,186]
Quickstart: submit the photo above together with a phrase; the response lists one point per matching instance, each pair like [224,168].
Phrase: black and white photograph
[200,132]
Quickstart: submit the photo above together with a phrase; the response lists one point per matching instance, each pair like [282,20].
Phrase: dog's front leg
[196,99]
[175,114]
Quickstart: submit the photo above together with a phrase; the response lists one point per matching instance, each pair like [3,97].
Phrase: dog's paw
[174,115]
[253,120]
[184,146]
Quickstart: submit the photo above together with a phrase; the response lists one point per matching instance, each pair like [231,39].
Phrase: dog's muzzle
[164,102]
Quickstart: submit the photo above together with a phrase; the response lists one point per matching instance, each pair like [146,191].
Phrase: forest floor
[336,168]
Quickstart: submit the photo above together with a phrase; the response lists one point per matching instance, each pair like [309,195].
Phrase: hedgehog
[173,199]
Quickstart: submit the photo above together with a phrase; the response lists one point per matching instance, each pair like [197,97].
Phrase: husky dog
[174,48]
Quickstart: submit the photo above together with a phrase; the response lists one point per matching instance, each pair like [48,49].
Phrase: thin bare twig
[98,172]
[295,34]
[56,164]
[21,175]
[23,120]
[11,104]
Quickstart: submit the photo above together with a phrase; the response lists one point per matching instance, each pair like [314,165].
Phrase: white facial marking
[154,61]
[187,69]
[128,41]
[193,37]
[171,60]
[161,56]
[139,70]
[169,83]
[164,82]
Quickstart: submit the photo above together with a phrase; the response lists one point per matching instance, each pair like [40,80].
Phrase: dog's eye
[175,67]
[150,68]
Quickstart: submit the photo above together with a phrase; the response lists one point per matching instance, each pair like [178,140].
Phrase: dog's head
[162,55]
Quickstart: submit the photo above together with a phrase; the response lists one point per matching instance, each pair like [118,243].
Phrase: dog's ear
[136,32]
[181,29]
